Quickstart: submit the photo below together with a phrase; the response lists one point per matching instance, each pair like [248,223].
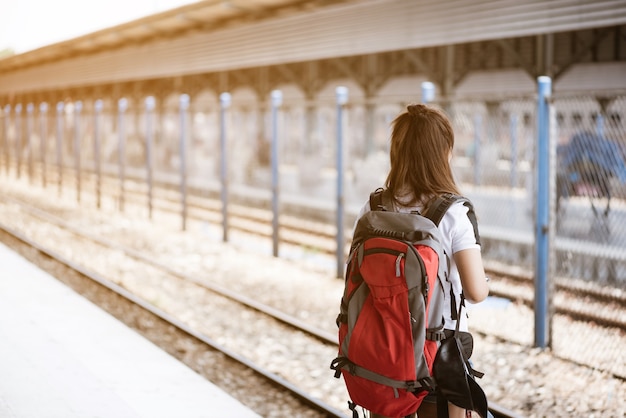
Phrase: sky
[30,24]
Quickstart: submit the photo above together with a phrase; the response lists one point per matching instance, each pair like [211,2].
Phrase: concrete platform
[63,357]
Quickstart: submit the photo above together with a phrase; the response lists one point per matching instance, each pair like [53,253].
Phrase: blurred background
[153,94]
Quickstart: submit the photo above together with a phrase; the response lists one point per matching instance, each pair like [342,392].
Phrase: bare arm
[470,265]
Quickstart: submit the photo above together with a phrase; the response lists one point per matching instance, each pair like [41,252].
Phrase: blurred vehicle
[585,167]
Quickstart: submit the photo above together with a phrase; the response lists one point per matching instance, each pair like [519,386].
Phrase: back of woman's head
[421,142]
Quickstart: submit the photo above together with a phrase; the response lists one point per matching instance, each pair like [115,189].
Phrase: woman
[422,140]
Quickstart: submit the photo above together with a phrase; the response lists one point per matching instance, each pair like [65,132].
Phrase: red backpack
[391,314]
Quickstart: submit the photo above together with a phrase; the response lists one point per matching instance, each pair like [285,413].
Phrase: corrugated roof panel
[591,77]
[346,29]
[509,82]
[382,26]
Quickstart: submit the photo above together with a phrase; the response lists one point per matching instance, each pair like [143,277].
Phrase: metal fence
[329,154]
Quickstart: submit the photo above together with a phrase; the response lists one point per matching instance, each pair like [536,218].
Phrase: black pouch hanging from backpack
[455,377]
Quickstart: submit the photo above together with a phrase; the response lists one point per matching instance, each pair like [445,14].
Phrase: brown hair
[421,142]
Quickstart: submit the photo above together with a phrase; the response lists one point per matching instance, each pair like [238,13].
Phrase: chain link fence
[141,140]
[493,160]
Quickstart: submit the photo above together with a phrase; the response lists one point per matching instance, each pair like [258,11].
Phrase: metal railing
[546,173]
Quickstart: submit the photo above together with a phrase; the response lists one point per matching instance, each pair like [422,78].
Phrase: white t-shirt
[458,234]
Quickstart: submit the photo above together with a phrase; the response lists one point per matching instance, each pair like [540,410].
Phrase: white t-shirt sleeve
[457,226]
[458,235]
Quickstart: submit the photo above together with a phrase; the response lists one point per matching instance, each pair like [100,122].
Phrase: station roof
[213,36]
[202,16]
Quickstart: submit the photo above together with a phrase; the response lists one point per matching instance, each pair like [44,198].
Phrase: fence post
[276,102]
[122,104]
[542,226]
[342,98]
[7,121]
[513,131]
[18,137]
[30,108]
[60,128]
[78,107]
[43,121]
[150,104]
[225,100]
[184,105]
[96,151]
[4,134]
[428,92]
[478,127]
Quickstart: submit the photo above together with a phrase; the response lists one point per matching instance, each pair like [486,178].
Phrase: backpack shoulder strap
[379,200]
[441,205]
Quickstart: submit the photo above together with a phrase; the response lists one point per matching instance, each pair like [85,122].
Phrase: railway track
[308,401]
[577,299]
[320,335]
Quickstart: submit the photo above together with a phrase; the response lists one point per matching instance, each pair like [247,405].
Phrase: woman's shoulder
[461,201]
[440,206]
[460,217]
[460,206]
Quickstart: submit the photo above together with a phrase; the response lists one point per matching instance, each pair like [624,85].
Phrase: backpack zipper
[398,261]
[399,256]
